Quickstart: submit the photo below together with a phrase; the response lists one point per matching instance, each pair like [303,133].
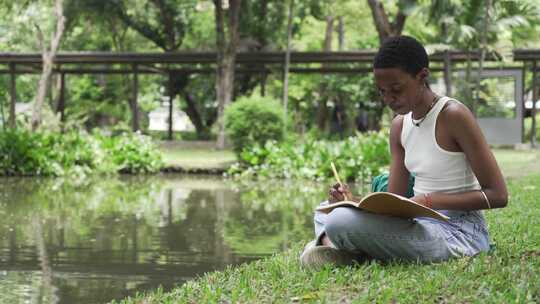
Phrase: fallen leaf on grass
[308,296]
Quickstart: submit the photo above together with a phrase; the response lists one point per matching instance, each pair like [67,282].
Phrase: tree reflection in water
[110,237]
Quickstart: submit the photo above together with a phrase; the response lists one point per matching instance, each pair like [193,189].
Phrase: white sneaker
[316,257]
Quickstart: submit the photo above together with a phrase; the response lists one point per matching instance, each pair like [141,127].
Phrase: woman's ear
[423,74]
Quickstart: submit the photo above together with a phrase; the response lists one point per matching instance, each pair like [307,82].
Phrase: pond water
[63,241]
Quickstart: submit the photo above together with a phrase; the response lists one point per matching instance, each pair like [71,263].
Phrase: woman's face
[398,89]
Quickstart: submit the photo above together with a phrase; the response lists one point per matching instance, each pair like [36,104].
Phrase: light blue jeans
[390,238]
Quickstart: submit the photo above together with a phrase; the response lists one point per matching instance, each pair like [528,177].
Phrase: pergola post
[448,73]
[60,108]
[523,99]
[13,95]
[134,100]
[533,110]
[170,131]
[264,75]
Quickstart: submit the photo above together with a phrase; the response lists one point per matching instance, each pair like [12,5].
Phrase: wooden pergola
[169,64]
[530,59]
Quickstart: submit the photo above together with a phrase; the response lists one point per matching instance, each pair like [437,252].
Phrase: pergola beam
[526,55]
[264,62]
[210,57]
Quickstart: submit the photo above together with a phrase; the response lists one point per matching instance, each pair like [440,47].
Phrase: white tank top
[435,169]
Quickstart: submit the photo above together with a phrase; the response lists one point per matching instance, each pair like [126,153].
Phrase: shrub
[252,121]
[357,158]
[24,153]
[74,149]
[75,153]
[43,153]
[132,153]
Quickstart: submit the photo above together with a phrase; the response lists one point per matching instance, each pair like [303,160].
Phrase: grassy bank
[509,274]
[516,163]
[196,157]
[205,156]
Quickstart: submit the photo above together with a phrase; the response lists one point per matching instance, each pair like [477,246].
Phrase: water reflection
[62,242]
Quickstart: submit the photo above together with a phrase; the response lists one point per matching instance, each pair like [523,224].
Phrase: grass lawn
[197,158]
[511,273]
[515,163]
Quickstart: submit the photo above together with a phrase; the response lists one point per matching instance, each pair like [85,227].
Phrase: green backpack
[380,184]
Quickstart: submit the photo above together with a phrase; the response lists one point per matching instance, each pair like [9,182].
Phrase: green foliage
[357,158]
[132,153]
[26,153]
[73,150]
[23,153]
[528,128]
[253,120]
[495,95]
[351,92]
[75,153]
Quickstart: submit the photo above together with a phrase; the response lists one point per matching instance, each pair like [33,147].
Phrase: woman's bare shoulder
[397,125]
[460,121]
[395,130]
[454,108]
[397,121]
[454,113]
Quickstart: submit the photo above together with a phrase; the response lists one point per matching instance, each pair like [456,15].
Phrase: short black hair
[402,52]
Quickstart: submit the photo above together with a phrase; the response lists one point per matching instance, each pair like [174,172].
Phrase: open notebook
[387,203]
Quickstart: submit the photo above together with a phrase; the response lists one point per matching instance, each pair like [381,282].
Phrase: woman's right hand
[338,193]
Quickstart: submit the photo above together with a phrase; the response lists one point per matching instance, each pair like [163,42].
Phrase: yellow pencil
[338,179]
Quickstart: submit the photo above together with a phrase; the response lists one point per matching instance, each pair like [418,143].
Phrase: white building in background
[159,119]
[23,108]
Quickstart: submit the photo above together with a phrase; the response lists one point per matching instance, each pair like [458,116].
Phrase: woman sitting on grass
[437,140]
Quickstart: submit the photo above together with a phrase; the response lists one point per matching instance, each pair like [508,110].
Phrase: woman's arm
[465,131]
[398,180]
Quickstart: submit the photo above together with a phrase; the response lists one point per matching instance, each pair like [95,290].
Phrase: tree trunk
[468,87]
[322,107]
[384,27]
[483,46]
[447,73]
[287,63]
[226,59]
[42,91]
[201,129]
[47,57]
[341,34]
